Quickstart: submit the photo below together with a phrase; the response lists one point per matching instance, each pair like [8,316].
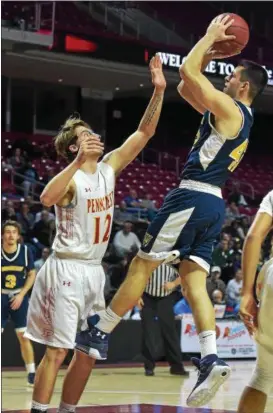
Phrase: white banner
[233,340]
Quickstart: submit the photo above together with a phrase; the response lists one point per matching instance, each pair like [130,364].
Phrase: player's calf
[46,377]
[27,355]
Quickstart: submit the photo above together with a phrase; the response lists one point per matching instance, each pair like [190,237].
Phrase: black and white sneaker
[213,372]
[93,341]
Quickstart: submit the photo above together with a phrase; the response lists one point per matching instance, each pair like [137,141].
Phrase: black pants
[162,308]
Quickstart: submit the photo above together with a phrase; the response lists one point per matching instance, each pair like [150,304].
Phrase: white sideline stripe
[123,392]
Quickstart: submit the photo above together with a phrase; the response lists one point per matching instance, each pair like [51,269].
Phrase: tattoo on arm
[151,110]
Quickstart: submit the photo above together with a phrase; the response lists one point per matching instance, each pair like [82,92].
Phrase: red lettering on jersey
[100,204]
[97,202]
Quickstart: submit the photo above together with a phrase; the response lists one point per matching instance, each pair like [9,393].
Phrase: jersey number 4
[107,227]
[237,155]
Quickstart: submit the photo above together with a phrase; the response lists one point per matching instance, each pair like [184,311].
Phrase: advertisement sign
[233,340]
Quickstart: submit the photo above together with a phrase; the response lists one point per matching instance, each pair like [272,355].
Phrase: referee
[156,305]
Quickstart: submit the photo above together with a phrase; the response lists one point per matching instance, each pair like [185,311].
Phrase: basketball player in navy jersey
[17,278]
[192,215]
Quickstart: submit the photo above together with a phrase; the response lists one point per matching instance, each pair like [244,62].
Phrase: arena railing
[245,188]
[14,175]
[164,160]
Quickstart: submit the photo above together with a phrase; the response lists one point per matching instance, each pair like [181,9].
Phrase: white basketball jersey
[83,228]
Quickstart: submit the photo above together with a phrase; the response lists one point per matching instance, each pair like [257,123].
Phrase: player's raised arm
[184,87]
[220,104]
[127,152]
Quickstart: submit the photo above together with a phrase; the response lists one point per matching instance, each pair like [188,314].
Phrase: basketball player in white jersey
[258,320]
[70,285]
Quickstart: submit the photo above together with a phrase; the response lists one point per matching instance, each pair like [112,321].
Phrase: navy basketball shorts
[19,317]
[185,227]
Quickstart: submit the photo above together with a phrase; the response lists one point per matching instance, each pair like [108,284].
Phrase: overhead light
[141,85]
[117,88]
[60,80]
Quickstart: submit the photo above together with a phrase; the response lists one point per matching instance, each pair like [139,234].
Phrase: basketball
[240,29]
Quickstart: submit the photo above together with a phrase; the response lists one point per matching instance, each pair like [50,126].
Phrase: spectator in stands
[25,219]
[38,216]
[149,204]
[30,178]
[39,263]
[232,211]
[132,200]
[121,214]
[236,230]
[43,229]
[245,224]
[214,282]
[220,255]
[234,288]
[126,241]
[31,203]
[17,161]
[8,213]
[236,253]
[50,175]
[236,197]
[217,297]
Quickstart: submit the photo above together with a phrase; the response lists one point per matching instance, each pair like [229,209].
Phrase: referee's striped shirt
[155,287]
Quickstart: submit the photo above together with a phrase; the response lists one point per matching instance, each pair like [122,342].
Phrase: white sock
[108,320]
[66,408]
[207,340]
[39,406]
[30,368]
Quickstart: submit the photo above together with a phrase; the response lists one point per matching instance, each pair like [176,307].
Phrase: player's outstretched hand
[158,77]
[91,145]
[249,312]
[218,26]
[16,301]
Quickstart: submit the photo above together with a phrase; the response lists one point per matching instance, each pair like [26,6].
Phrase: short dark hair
[10,223]
[256,75]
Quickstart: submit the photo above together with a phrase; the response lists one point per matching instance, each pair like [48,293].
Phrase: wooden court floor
[127,390]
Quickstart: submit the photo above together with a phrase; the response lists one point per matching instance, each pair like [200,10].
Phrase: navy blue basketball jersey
[212,157]
[15,267]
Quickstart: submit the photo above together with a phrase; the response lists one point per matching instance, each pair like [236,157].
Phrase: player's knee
[56,355]
[23,340]
[262,379]
[190,288]
[142,265]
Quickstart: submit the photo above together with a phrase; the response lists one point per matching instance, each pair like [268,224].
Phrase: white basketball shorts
[65,293]
[264,335]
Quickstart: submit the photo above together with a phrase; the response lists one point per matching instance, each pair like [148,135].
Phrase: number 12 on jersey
[106,230]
